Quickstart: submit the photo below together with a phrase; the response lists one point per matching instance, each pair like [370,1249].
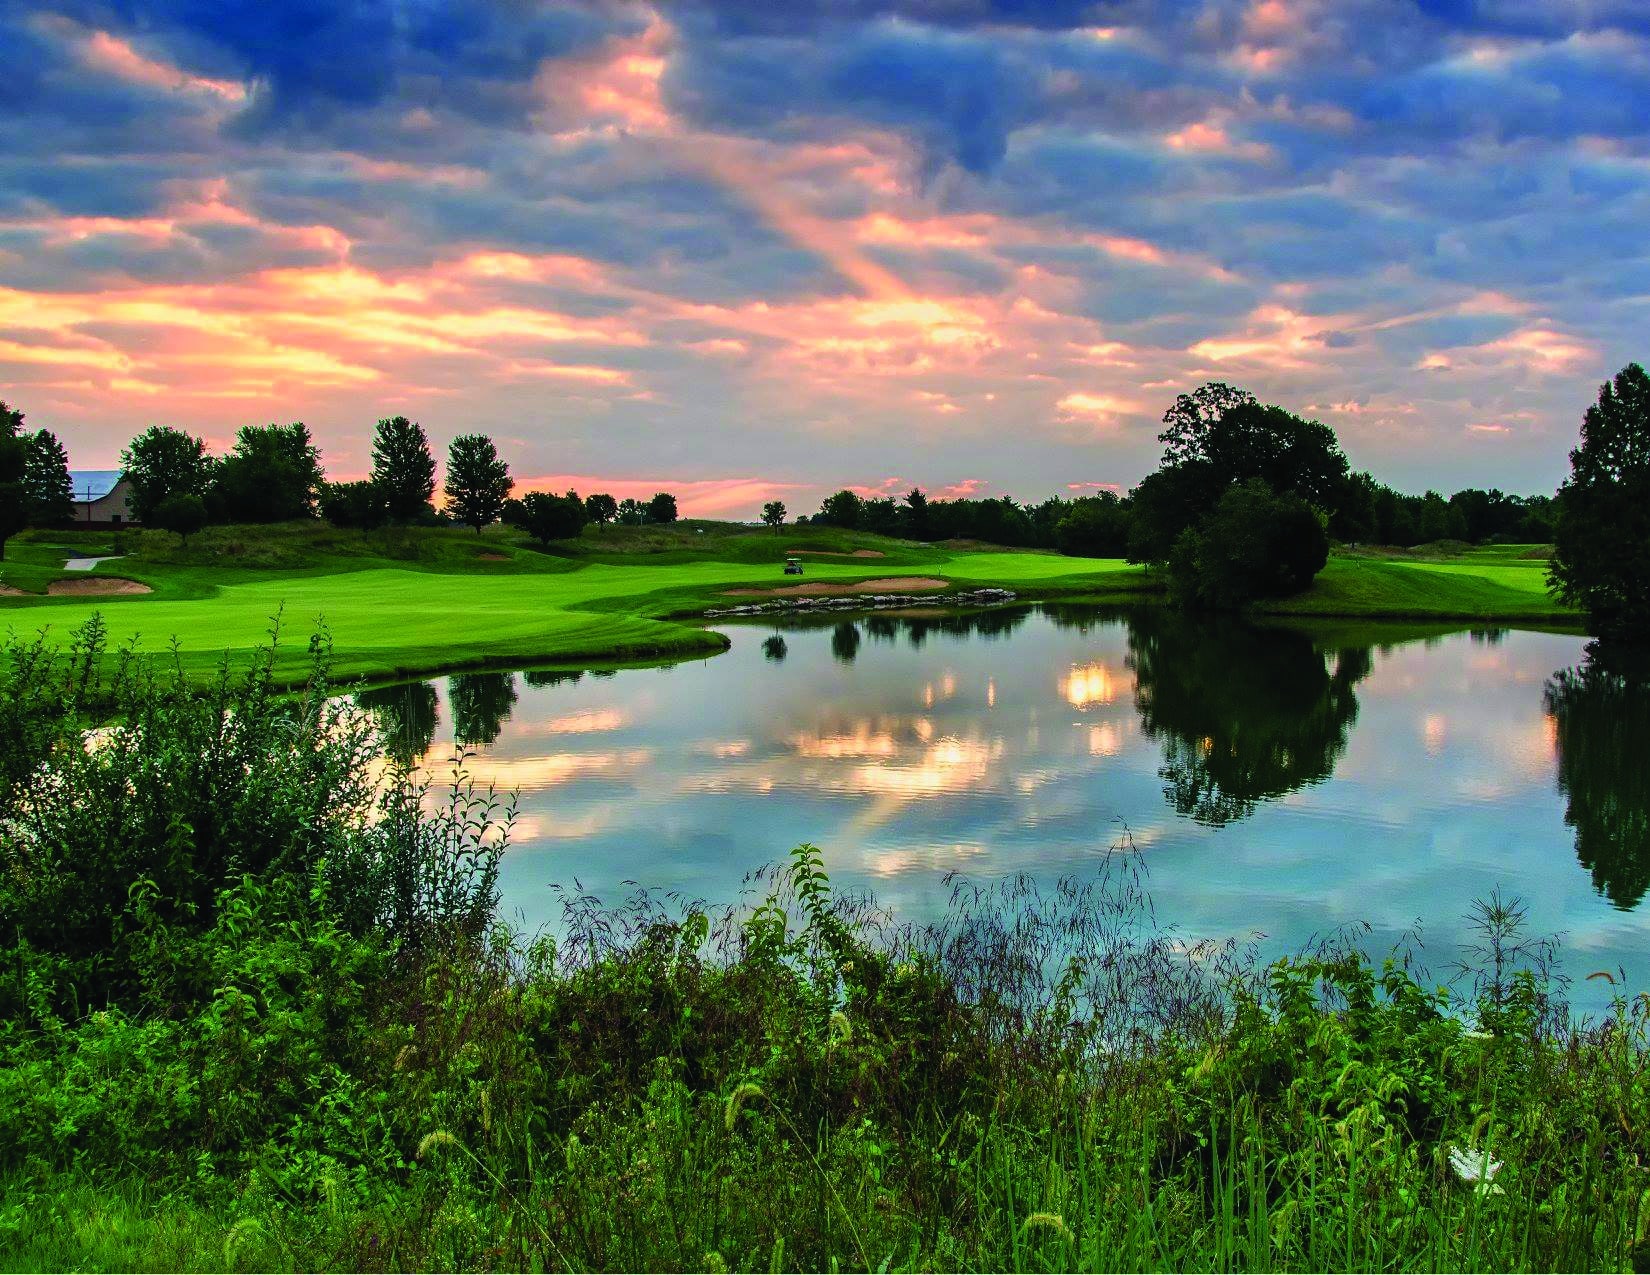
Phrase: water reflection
[1601,717]
[481,705]
[407,716]
[1244,715]
[1274,780]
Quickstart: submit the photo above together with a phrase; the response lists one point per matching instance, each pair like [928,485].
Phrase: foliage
[1094,527]
[123,846]
[1254,544]
[1601,549]
[600,508]
[47,492]
[184,514]
[14,460]
[1189,422]
[548,517]
[773,513]
[163,462]
[478,482]
[662,508]
[402,468]
[357,505]
[840,509]
[272,474]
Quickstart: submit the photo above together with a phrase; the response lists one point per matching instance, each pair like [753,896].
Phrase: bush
[119,844]
[1253,545]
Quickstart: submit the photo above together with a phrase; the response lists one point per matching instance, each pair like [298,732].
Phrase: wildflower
[1477,1168]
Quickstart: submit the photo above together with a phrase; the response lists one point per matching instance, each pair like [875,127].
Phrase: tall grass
[338,1061]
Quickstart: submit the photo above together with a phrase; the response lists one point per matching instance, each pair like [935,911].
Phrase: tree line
[273,473]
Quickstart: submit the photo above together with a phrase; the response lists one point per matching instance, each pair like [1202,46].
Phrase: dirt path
[827,588]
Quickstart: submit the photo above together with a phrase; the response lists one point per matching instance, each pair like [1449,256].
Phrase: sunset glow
[675,247]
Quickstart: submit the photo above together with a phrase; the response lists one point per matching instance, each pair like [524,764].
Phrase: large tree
[273,474]
[773,513]
[478,482]
[600,507]
[47,490]
[1601,544]
[163,462]
[402,468]
[662,508]
[14,460]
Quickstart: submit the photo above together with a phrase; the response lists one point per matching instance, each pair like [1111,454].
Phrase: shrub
[1255,544]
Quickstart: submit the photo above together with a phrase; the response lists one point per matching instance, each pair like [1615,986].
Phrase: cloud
[817,241]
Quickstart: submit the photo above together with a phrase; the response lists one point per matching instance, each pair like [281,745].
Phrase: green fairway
[420,601]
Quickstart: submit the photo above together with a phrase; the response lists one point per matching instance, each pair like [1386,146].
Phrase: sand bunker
[829,588]
[6,591]
[95,587]
[844,553]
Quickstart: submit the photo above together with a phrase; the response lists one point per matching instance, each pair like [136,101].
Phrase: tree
[1601,543]
[601,508]
[478,482]
[662,508]
[184,513]
[1256,543]
[1186,425]
[916,513]
[840,510]
[546,517]
[1094,527]
[163,462]
[273,474]
[358,504]
[402,468]
[14,461]
[47,491]
[773,513]
[632,513]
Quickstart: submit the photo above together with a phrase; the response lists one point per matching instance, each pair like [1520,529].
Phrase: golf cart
[793,565]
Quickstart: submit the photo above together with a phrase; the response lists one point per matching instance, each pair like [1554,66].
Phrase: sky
[762,249]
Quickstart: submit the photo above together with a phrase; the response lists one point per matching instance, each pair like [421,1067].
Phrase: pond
[1277,782]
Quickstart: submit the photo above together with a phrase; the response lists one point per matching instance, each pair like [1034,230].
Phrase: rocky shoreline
[867,602]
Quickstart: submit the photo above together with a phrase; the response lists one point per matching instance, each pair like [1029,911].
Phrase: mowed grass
[413,601]
[1492,585]
[451,607]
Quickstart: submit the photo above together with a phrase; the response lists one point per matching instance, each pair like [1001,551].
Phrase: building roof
[92,484]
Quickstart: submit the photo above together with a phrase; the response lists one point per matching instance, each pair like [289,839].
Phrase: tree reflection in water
[481,704]
[407,715]
[1601,719]
[1244,714]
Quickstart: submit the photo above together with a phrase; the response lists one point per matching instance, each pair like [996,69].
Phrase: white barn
[102,498]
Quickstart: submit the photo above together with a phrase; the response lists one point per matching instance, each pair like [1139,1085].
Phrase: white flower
[1476,1167]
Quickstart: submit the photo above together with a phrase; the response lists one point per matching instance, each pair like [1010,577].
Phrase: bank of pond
[1072,984]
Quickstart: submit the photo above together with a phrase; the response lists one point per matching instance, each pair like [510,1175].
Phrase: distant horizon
[750,252]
